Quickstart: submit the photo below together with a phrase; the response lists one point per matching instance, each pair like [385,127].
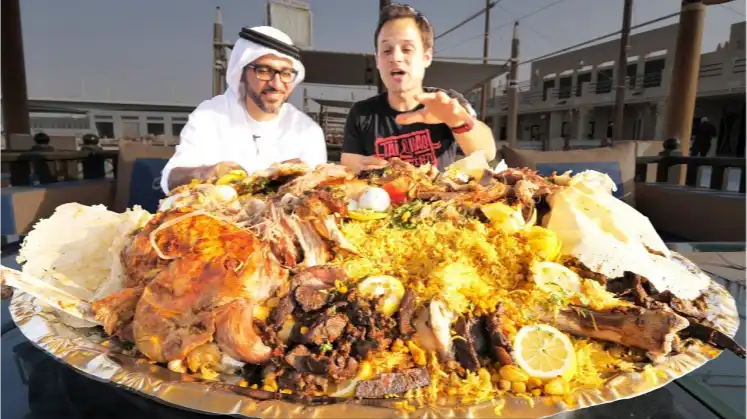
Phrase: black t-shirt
[371,129]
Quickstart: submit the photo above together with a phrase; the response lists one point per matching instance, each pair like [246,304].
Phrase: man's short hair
[402,11]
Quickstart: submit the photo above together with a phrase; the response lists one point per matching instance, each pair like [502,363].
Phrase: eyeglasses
[265,73]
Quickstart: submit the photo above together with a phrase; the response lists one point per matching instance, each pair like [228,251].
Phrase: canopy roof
[333,103]
[357,69]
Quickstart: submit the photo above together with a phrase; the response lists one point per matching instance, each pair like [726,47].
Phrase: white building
[572,95]
[67,117]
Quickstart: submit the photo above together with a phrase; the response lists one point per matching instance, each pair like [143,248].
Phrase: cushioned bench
[21,207]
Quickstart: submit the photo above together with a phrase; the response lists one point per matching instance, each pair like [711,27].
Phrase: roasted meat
[654,331]
[207,275]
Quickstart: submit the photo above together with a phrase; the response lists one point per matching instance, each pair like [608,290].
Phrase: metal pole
[218,53]
[512,118]
[485,55]
[622,64]
[684,83]
[15,106]
[379,81]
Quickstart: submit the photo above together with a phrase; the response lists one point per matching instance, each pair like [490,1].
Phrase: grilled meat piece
[326,328]
[468,333]
[393,383]
[500,344]
[406,312]
[311,286]
[641,292]
[654,331]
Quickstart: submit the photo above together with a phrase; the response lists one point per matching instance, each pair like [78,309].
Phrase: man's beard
[256,97]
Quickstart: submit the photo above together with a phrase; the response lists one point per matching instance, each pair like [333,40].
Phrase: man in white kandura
[251,125]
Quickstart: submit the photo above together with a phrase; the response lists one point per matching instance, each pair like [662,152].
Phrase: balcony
[715,78]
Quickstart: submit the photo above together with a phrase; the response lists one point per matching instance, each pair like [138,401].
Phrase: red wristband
[465,127]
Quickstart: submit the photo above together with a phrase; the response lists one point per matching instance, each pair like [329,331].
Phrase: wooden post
[485,55]
[218,53]
[684,83]
[622,64]
[379,81]
[15,102]
[512,117]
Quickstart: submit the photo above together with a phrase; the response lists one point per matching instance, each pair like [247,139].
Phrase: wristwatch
[465,127]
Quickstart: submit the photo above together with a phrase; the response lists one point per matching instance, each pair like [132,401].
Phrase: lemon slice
[385,286]
[364,215]
[504,217]
[555,278]
[544,352]
[346,389]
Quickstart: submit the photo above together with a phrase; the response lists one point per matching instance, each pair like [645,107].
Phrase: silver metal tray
[91,353]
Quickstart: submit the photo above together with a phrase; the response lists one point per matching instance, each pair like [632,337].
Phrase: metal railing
[670,158]
[27,168]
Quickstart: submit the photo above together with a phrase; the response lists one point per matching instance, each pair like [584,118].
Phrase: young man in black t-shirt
[419,125]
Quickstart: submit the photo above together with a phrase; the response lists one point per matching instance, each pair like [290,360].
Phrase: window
[590,135]
[565,129]
[565,87]
[105,129]
[155,128]
[547,85]
[176,128]
[130,126]
[604,81]
[631,74]
[652,72]
[580,81]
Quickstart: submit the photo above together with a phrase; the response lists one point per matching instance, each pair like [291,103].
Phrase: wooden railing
[25,168]
[670,158]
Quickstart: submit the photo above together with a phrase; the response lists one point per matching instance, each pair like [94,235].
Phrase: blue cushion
[611,168]
[145,183]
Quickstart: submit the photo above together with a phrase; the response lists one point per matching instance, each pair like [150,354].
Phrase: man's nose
[275,82]
[397,55]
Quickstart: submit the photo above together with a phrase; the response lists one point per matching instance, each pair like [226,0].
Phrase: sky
[160,50]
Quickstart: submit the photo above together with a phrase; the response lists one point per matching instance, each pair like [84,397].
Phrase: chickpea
[557,387]
[518,387]
[534,383]
[513,373]
[504,385]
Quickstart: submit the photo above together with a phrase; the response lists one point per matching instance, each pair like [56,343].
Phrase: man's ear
[428,57]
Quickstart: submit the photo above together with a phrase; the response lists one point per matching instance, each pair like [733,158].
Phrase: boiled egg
[374,199]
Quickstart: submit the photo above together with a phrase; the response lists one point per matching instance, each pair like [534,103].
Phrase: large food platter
[91,353]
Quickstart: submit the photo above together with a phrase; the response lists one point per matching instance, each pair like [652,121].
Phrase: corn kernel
[304,330]
[243,383]
[451,391]
[536,392]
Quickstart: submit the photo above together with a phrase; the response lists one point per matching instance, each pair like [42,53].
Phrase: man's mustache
[271,90]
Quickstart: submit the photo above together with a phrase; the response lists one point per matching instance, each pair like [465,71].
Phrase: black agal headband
[270,42]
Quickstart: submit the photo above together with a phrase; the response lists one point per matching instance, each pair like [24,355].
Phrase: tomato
[397,193]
